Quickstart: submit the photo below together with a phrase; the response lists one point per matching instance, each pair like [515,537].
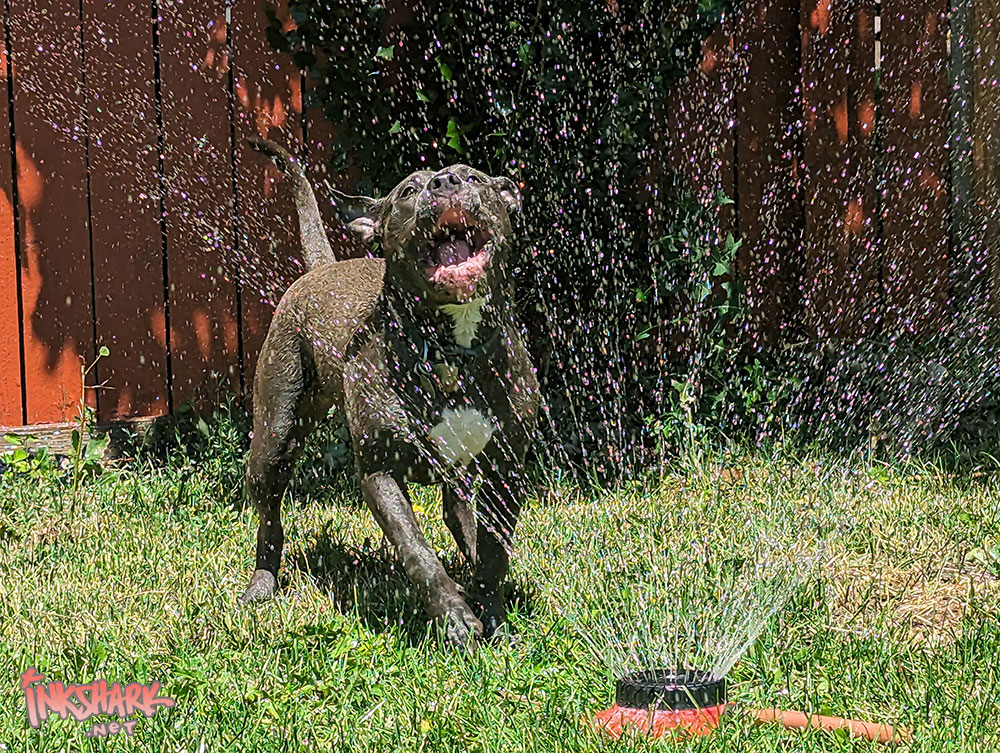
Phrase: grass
[140,583]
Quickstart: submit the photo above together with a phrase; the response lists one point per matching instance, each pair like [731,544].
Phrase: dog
[419,353]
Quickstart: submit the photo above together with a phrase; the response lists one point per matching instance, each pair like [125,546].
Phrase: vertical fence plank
[985,132]
[268,103]
[915,154]
[125,214]
[11,406]
[768,155]
[198,200]
[50,127]
[840,243]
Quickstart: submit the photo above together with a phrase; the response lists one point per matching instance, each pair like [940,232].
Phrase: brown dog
[419,353]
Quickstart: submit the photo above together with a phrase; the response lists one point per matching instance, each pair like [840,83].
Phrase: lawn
[139,580]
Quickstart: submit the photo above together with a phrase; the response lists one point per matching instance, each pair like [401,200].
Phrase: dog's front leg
[386,497]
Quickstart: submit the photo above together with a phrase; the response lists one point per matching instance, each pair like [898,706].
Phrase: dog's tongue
[453,252]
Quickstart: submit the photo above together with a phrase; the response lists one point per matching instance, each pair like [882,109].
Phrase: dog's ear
[359,213]
[510,194]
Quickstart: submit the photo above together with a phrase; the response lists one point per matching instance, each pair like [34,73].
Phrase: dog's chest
[461,434]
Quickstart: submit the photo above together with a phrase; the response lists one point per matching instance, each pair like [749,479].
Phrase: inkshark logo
[83,702]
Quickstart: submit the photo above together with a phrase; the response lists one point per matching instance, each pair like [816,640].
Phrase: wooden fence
[128,195]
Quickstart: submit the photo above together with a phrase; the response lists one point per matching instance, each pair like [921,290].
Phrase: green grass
[140,583]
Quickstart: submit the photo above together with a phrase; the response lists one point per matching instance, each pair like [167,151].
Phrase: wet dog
[419,352]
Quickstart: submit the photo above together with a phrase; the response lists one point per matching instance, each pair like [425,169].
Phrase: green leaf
[75,440]
[18,455]
[445,69]
[103,352]
[396,128]
[385,53]
[721,268]
[422,97]
[203,427]
[454,136]
[95,448]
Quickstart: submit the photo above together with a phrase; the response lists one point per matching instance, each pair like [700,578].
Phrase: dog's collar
[453,351]
[444,363]
[437,362]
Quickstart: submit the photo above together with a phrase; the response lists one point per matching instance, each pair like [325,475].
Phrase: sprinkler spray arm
[882,733]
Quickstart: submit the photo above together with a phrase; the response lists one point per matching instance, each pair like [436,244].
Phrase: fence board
[840,243]
[268,103]
[767,159]
[985,131]
[53,219]
[124,210]
[915,213]
[202,266]
[11,404]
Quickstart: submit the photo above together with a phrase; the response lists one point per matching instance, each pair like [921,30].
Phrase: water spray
[691,703]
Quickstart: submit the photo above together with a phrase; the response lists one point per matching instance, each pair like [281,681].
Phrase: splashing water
[688,582]
[618,279]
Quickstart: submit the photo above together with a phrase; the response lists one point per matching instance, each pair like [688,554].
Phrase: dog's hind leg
[460,517]
[498,508]
[285,412]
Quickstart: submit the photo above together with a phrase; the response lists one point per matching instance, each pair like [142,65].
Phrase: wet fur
[355,335]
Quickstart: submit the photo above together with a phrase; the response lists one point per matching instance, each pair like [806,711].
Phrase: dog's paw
[261,588]
[503,636]
[461,626]
[492,613]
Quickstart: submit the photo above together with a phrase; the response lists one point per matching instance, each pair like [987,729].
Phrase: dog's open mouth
[456,254]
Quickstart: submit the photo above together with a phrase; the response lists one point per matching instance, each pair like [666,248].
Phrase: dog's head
[445,235]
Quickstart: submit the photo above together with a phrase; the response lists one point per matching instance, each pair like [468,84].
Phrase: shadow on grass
[371,582]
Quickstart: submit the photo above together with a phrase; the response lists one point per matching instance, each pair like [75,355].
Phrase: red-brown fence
[129,195]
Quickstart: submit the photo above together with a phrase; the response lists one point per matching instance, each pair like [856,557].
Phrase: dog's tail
[316,248]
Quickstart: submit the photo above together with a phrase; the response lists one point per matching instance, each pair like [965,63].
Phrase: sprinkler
[657,701]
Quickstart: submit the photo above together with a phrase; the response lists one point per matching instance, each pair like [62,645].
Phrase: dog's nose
[444,184]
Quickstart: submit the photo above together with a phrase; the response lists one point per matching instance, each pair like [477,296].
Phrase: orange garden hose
[657,702]
[882,733]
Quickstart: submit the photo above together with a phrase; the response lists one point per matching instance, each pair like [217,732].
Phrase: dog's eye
[408,191]
[474,179]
